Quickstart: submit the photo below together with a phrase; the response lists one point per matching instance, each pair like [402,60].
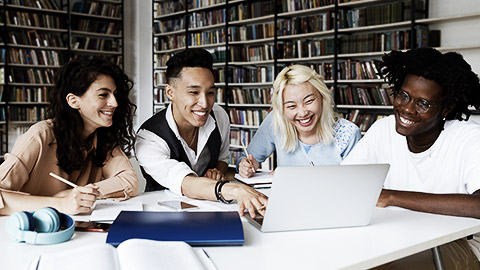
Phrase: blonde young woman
[302,128]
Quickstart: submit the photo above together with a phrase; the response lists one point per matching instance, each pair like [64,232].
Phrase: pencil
[246,153]
[63,180]
[262,208]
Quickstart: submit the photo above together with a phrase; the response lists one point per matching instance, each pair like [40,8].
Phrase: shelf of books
[34,46]
[37,38]
[251,60]
[343,40]
[169,37]
[366,30]
[97,30]
[220,26]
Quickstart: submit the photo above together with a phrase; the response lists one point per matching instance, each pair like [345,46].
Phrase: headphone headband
[18,234]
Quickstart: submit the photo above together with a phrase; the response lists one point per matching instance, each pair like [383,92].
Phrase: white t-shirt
[451,165]
[153,153]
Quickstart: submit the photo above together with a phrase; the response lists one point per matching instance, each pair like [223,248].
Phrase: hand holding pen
[78,200]
[249,165]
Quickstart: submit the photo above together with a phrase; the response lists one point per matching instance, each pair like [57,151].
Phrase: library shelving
[205,24]
[169,37]
[37,38]
[96,30]
[342,40]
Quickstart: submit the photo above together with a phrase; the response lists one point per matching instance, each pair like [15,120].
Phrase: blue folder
[194,228]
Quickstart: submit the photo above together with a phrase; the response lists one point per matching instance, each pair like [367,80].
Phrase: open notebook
[130,255]
[318,197]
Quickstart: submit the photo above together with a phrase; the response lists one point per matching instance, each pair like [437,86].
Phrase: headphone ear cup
[46,220]
[23,220]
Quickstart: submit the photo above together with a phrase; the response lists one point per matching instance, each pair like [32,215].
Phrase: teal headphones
[41,227]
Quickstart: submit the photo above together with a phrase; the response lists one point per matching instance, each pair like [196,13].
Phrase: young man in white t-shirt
[433,155]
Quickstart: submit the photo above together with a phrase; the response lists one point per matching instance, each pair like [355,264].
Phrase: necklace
[193,138]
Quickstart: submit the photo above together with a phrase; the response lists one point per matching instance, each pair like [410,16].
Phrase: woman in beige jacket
[84,141]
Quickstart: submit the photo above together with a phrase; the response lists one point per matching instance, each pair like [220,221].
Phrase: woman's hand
[63,193]
[248,166]
[247,198]
[80,200]
[214,174]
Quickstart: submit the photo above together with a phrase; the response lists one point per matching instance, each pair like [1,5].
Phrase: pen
[63,180]
[262,186]
[311,163]
[246,153]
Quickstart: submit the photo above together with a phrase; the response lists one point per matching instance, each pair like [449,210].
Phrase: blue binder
[194,228]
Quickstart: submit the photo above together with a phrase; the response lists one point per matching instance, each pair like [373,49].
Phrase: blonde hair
[297,74]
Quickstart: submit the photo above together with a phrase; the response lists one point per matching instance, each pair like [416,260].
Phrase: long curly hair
[75,77]
[460,85]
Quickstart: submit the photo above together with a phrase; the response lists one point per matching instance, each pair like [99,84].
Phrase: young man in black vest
[185,147]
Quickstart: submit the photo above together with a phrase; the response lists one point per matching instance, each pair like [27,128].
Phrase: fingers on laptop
[251,200]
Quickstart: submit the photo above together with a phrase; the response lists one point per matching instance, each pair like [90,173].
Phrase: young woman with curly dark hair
[84,140]
[431,147]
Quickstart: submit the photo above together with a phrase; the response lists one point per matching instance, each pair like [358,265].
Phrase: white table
[392,234]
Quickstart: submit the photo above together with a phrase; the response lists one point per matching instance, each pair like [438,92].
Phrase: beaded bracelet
[218,191]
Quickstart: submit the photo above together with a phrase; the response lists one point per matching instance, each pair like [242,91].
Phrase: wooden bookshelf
[96,30]
[342,41]
[39,38]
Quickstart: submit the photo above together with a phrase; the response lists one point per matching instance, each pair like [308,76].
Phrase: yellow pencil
[246,153]
[62,179]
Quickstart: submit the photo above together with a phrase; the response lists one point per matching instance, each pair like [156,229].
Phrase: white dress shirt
[153,153]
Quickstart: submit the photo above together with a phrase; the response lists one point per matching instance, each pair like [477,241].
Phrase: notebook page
[106,210]
[149,254]
[257,179]
[100,256]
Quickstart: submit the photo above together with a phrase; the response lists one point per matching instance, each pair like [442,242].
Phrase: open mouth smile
[107,113]
[405,121]
[306,121]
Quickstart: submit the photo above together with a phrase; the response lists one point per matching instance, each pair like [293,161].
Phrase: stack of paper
[260,179]
[107,211]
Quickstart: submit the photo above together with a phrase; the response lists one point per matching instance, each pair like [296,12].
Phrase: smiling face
[302,106]
[192,95]
[420,127]
[97,105]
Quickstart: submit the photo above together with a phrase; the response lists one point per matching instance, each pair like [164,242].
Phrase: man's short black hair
[189,58]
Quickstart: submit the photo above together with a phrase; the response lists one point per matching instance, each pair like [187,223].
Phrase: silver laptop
[304,198]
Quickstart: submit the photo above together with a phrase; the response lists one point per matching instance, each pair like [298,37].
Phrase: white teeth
[199,113]
[305,121]
[107,112]
[405,121]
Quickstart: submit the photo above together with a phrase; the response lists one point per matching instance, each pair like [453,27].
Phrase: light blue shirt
[265,141]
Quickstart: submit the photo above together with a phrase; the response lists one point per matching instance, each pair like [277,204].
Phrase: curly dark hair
[189,58]
[460,85]
[75,77]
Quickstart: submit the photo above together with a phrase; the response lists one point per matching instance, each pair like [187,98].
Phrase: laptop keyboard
[259,218]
